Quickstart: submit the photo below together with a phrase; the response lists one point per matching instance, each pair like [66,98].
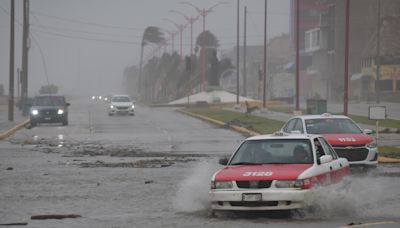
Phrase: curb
[220,123]
[12,130]
[253,133]
[388,160]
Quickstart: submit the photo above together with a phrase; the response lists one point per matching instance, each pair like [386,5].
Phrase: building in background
[279,55]
[322,36]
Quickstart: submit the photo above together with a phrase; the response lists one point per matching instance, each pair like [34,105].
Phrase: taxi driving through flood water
[275,172]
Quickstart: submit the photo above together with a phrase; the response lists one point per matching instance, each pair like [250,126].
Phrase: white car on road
[121,104]
[275,172]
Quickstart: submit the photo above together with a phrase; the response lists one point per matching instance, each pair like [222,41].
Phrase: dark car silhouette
[49,109]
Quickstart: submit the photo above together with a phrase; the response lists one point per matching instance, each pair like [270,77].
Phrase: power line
[82,31]
[85,22]
[37,43]
[85,38]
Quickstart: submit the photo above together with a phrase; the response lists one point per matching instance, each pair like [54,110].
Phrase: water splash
[361,196]
[192,194]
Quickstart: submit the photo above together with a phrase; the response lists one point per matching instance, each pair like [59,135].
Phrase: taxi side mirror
[326,159]
[223,161]
[367,131]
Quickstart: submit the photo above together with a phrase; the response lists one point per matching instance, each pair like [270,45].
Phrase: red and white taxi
[345,136]
[275,172]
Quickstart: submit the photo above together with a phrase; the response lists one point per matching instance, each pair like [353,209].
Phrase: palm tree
[208,44]
[207,39]
[150,35]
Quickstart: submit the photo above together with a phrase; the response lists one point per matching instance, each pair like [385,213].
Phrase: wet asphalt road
[153,170]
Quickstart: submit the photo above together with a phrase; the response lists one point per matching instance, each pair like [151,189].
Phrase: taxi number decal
[347,139]
[257,174]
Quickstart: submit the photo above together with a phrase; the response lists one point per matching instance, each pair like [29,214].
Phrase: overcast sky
[86,44]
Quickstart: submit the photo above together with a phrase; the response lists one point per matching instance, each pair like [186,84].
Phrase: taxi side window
[329,150]
[319,149]
[299,126]
[290,125]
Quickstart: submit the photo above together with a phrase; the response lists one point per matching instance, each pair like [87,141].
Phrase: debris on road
[14,224]
[54,216]
[148,163]
[10,168]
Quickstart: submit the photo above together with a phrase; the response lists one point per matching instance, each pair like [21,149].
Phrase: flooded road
[154,170]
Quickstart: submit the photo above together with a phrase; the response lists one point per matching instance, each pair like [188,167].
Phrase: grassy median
[265,126]
[389,151]
[254,123]
[389,123]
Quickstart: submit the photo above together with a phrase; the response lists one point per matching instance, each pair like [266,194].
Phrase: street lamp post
[180,29]
[172,34]
[190,20]
[203,12]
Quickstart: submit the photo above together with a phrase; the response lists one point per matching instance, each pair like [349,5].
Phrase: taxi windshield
[331,126]
[274,151]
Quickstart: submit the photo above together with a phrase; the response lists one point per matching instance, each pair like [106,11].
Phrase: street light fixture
[190,20]
[203,12]
[180,29]
[172,35]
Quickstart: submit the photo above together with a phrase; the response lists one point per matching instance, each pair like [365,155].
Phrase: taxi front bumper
[271,199]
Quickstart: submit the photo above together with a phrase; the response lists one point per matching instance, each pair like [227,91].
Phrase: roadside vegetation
[389,151]
[265,126]
[254,123]
[388,123]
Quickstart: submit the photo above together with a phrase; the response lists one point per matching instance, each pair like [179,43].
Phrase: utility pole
[11,83]
[25,47]
[265,57]
[298,55]
[346,61]
[237,53]
[244,54]
[378,56]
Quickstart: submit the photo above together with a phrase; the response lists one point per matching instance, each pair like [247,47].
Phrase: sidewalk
[6,125]
[390,139]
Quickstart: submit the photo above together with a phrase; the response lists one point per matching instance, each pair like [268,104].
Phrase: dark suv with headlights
[49,109]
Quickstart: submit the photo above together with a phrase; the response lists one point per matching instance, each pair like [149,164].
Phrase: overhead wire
[82,31]
[84,38]
[86,22]
[38,45]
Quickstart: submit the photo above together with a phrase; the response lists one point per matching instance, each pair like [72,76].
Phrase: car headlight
[221,184]
[372,144]
[112,106]
[100,97]
[93,97]
[60,112]
[133,106]
[289,184]
[35,112]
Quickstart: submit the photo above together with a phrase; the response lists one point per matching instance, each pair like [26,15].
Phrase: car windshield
[332,126]
[274,151]
[49,101]
[120,99]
